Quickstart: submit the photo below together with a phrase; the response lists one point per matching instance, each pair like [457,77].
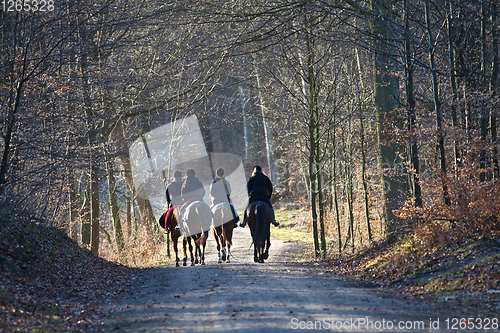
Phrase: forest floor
[48,284]
[450,270]
[463,278]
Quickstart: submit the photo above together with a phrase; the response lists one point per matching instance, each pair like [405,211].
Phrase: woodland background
[379,117]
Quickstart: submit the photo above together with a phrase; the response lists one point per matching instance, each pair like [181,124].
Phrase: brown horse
[258,216]
[174,234]
[223,230]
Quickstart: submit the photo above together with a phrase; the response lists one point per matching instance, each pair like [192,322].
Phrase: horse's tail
[260,229]
[202,239]
[205,217]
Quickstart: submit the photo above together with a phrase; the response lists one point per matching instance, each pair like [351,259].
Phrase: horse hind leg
[203,254]
[266,252]
[176,250]
[184,244]
[228,252]
[261,254]
[218,243]
[224,256]
[190,252]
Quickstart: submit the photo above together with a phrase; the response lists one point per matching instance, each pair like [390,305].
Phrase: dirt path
[278,296]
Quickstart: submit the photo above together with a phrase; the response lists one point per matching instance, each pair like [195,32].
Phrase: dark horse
[258,217]
[223,231]
[201,215]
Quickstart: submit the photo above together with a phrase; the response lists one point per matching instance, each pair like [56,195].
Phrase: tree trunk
[123,154]
[268,133]
[321,205]
[386,101]
[437,106]
[350,189]
[94,205]
[73,213]
[453,81]
[493,88]
[363,152]
[113,203]
[413,149]
[248,124]
[335,194]
[484,116]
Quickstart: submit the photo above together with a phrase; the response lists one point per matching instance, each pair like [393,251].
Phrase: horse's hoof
[192,264]
[265,256]
[177,264]
[202,263]
[184,264]
[255,259]
[227,261]
[261,261]
[195,262]
[219,261]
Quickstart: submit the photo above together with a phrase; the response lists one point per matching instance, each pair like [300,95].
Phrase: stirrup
[243,224]
[275,223]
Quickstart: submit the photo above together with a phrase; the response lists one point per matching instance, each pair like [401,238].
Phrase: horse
[258,216]
[198,219]
[170,227]
[223,230]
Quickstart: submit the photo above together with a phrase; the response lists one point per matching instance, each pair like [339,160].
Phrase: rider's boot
[236,217]
[273,221]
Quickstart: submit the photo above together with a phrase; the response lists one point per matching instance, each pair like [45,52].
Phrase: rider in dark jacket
[260,188]
[192,189]
[173,192]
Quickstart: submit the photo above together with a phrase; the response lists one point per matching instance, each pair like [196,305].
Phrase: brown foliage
[48,283]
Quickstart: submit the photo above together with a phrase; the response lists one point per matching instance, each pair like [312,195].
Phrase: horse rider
[192,190]
[260,188]
[220,192]
[173,196]
[173,192]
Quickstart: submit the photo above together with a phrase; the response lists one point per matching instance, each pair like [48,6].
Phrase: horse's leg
[229,239]
[176,250]
[204,238]
[197,250]
[217,235]
[255,254]
[223,241]
[191,250]
[268,244]
[184,243]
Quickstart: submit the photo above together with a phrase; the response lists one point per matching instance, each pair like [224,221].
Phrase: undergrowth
[50,284]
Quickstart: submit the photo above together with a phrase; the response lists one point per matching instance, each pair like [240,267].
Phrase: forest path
[242,296]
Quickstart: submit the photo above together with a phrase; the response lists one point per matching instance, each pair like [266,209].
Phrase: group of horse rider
[182,192]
